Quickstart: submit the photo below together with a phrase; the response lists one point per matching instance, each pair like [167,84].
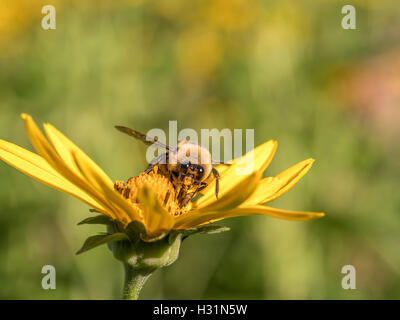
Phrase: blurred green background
[285,68]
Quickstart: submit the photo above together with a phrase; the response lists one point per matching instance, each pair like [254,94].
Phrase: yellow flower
[60,164]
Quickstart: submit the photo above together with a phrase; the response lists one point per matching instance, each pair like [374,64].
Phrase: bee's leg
[183,196]
[149,167]
[178,185]
[161,159]
[190,196]
[167,197]
[217,176]
[187,199]
[201,186]
[172,177]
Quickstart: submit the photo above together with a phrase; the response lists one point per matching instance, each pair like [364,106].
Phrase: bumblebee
[189,165]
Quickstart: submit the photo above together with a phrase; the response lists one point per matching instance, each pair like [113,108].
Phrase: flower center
[160,184]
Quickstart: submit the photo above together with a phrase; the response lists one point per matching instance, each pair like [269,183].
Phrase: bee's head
[192,161]
[192,171]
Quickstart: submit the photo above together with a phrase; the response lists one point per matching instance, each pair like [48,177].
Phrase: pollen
[159,183]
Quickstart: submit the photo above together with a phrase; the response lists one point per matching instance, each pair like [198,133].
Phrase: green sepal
[100,219]
[153,239]
[143,258]
[145,255]
[101,238]
[159,253]
[207,229]
[135,230]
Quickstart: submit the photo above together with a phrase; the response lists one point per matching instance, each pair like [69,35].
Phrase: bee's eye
[200,169]
[184,166]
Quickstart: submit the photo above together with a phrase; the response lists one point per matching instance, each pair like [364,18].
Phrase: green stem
[134,281]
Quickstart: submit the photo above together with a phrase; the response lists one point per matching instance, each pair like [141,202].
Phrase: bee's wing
[146,139]
[163,158]
[221,162]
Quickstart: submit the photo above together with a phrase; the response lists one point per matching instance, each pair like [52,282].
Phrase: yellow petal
[38,141]
[36,167]
[233,197]
[247,211]
[43,147]
[105,187]
[257,160]
[273,187]
[156,219]
[66,147]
